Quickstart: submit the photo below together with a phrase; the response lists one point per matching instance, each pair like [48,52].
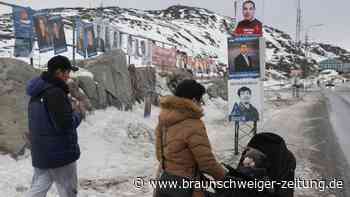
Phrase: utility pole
[298,26]
[306,45]
[236,9]
[74,44]
[298,49]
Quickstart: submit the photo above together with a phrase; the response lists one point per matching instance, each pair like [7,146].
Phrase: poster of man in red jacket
[249,26]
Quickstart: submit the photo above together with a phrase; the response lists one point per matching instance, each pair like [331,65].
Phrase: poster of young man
[245,57]
[23,47]
[245,100]
[248,24]
[137,53]
[107,37]
[90,40]
[144,51]
[56,28]
[116,40]
[42,32]
[130,45]
[100,34]
[80,46]
[23,22]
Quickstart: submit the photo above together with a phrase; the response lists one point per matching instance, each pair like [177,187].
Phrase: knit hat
[190,89]
[60,62]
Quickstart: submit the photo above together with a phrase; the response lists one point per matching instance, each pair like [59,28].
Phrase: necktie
[246,59]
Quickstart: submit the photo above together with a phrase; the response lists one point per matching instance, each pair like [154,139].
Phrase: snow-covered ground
[119,146]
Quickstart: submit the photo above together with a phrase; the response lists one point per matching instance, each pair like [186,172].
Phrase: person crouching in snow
[182,145]
[52,130]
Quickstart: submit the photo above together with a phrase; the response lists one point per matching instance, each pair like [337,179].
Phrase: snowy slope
[197,31]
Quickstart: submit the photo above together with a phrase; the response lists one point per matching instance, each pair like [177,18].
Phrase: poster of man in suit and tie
[245,57]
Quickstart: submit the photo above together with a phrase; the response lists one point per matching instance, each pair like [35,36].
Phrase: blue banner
[23,22]
[56,28]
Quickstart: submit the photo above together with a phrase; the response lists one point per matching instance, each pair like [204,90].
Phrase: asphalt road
[332,130]
[339,114]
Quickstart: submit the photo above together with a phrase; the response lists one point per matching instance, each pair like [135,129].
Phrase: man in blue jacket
[52,126]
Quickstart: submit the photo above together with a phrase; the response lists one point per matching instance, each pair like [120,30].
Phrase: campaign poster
[42,32]
[130,45]
[181,59]
[116,40]
[249,20]
[144,51]
[107,38]
[246,57]
[90,40]
[23,47]
[140,48]
[80,38]
[56,28]
[100,34]
[137,51]
[245,100]
[23,22]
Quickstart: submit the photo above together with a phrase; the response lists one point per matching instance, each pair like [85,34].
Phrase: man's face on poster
[245,97]
[90,39]
[243,49]
[24,15]
[248,11]
[42,27]
[56,30]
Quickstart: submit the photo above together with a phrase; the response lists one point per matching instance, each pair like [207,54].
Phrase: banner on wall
[42,32]
[56,29]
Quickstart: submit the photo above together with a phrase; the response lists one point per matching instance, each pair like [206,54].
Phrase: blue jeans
[65,178]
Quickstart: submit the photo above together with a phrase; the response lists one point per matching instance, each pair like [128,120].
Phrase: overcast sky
[277,13]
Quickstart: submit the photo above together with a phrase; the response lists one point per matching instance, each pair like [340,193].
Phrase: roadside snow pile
[115,146]
[118,146]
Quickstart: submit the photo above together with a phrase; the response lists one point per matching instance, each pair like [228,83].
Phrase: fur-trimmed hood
[175,109]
